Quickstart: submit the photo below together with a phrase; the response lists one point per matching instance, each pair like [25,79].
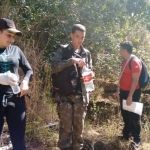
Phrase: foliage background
[47,23]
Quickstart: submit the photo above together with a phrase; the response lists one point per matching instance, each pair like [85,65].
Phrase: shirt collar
[70,47]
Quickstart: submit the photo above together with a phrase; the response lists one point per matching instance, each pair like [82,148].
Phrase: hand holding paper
[135,107]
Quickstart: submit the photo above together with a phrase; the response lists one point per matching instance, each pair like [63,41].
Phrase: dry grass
[103,134]
[106,135]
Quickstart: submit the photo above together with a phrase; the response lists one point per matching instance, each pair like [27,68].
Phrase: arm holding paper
[135,107]
[135,79]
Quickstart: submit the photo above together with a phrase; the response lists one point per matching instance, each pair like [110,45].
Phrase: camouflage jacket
[58,65]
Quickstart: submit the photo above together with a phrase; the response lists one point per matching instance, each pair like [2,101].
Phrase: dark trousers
[72,114]
[131,120]
[16,120]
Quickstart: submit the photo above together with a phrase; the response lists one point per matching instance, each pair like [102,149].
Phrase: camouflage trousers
[72,114]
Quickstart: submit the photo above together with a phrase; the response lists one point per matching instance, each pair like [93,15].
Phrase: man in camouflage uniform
[72,108]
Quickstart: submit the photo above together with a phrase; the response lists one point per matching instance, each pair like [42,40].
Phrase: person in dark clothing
[72,107]
[12,106]
[130,91]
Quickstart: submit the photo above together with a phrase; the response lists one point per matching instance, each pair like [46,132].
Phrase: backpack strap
[132,57]
[123,69]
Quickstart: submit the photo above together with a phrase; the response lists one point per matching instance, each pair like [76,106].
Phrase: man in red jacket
[130,91]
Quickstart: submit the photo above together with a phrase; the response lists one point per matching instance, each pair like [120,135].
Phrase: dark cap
[9,25]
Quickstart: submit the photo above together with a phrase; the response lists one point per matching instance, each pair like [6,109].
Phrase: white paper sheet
[135,107]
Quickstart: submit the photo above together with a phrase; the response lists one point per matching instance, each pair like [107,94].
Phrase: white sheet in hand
[135,107]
